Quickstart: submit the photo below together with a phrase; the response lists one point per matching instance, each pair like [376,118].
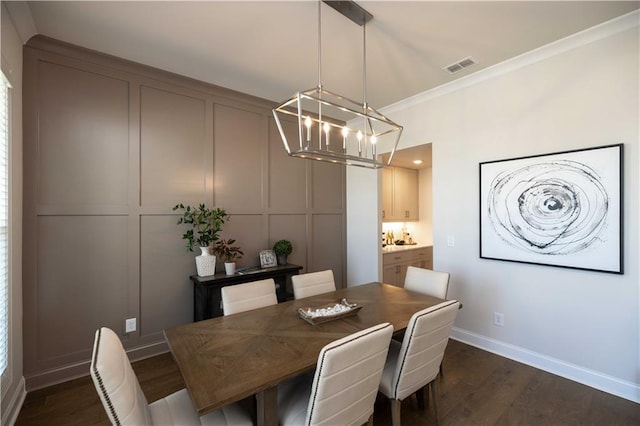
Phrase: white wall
[13,392]
[364,215]
[580,92]
[423,230]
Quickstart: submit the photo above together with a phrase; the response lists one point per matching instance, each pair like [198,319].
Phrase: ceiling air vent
[460,65]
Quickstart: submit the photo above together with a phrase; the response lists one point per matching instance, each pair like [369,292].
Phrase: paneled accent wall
[110,147]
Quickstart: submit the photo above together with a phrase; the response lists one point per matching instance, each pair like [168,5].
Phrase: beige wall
[110,147]
[12,383]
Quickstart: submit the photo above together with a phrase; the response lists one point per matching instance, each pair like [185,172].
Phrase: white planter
[205,263]
[230,268]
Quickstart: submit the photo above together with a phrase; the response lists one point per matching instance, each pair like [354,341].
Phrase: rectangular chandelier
[330,127]
[333,128]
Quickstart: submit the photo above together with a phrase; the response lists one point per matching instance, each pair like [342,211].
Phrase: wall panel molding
[136,141]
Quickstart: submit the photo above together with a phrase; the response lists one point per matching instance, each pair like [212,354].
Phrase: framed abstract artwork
[562,209]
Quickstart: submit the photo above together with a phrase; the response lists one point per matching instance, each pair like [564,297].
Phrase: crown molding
[23,20]
[582,38]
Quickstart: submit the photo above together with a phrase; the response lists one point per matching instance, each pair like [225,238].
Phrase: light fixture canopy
[331,127]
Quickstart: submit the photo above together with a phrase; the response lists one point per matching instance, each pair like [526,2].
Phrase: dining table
[227,359]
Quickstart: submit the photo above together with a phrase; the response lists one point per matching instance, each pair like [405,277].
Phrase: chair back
[116,382]
[312,283]
[423,348]
[347,377]
[426,281]
[244,297]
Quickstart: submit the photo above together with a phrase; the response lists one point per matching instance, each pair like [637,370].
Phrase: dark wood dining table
[227,359]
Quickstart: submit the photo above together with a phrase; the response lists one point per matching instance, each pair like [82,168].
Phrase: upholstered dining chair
[414,363]
[426,281]
[125,403]
[312,283]
[343,389]
[244,297]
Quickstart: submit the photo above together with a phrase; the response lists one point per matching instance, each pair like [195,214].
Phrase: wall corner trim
[584,37]
[10,414]
[592,378]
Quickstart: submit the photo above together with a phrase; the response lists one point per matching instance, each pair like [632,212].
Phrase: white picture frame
[268,259]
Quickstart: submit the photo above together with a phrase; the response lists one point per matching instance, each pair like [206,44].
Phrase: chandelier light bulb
[307,122]
[345,133]
[373,139]
[326,129]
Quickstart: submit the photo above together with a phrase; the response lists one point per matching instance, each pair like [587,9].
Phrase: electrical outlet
[130,325]
[451,241]
[498,319]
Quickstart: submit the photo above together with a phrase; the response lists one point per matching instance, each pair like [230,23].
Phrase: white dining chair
[125,403]
[244,297]
[312,283]
[343,389]
[414,363]
[426,281]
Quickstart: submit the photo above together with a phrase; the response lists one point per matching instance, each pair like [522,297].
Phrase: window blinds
[4,222]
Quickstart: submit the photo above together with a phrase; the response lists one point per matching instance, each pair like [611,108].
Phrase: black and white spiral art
[551,208]
[560,209]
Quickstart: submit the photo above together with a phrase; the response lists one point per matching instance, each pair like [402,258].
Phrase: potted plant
[282,249]
[204,226]
[229,253]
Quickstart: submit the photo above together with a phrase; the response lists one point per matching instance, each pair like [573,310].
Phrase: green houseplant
[204,225]
[282,249]
[229,253]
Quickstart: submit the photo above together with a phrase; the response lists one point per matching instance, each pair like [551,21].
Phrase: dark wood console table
[207,298]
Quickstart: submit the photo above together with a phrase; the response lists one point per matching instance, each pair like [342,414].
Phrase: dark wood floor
[478,388]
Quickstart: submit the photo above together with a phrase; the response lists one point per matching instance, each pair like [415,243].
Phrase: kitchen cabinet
[395,263]
[399,194]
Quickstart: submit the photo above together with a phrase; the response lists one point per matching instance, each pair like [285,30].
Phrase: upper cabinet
[399,194]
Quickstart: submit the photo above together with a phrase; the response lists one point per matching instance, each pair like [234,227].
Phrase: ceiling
[269,49]
[407,157]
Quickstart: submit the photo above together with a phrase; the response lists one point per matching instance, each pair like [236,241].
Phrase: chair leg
[395,412]
[433,386]
[420,398]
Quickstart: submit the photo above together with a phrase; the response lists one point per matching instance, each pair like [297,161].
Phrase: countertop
[395,248]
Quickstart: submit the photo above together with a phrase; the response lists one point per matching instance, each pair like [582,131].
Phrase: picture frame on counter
[268,259]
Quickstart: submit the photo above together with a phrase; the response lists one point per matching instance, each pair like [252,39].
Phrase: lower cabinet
[394,264]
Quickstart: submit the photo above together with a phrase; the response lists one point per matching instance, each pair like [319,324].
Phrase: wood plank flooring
[477,388]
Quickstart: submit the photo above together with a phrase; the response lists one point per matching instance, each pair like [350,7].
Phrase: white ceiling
[406,157]
[269,49]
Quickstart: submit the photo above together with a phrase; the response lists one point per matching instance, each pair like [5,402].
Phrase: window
[4,222]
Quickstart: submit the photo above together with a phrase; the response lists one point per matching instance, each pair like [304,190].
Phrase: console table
[207,298]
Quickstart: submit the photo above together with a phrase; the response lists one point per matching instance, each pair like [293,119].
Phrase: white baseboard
[623,389]
[80,369]
[10,415]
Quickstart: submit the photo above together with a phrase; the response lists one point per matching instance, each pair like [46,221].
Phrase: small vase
[205,263]
[230,268]
[282,259]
